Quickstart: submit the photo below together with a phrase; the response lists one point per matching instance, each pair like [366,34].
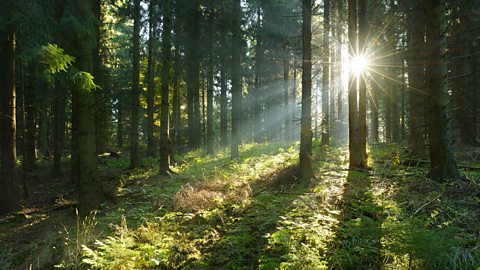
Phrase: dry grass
[210,194]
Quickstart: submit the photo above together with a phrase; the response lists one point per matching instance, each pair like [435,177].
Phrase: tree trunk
[223,102]
[306,134]
[258,128]
[210,67]
[135,95]
[9,188]
[353,125]
[90,191]
[152,48]
[362,101]
[326,75]
[442,162]
[236,79]
[416,76]
[286,92]
[59,103]
[177,74]
[193,85]
[165,148]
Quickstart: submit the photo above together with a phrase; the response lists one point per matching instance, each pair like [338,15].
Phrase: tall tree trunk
[442,162]
[193,84]
[210,67]
[258,127]
[286,92]
[177,74]
[223,101]
[165,148]
[9,188]
[135,95]
[353,125]
[90,191]
[152,48]
[59,104]
[101,109]
[416,75]
[362,101]
[326,74]
[120,119]
[29,164]
[306,134]
[236,79]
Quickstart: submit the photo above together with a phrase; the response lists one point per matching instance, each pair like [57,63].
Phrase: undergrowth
[251,213]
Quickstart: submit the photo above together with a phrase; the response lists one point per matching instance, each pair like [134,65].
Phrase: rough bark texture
[9,189]
[362,84]
[177,74]
[135,95]
[306,134]
[59,104]
[326,75]
[152,48]
[236,80]
[353,127]
[442,162]
[286,93]
[165,148]
[210,67]
[90,191]
[416,75]
[192,68]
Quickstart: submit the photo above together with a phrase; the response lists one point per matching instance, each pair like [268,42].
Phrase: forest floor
[253,213]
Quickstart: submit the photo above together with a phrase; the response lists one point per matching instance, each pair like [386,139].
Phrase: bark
[210,67]
[258,129]
[177,74]
[286,92]
[416,74]
[362,101]
[193,84]
[223,102]
[152,48]
[59,104]
[353,125]
[326,75]
[165,148]
[306,134]
[236,80]
[442,162]
[135,105]
[9,188]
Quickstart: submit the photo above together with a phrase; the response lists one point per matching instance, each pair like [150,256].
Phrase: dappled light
[240,134]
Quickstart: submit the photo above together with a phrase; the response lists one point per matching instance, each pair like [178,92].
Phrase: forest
[240,134]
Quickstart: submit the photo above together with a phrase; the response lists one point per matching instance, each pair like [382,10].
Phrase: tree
[353,127]
[236,79]
[326,74]
[135,95]
[81,45]
[362,85]
[152,48]
[442,162]
[9,189]
[210,67]
[193,18]
[306,134]
[416,75]
[165,148]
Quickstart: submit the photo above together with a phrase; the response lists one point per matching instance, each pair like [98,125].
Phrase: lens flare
[358,64]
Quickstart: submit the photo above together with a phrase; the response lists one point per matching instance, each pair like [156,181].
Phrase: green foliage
[54,59]
[84,81]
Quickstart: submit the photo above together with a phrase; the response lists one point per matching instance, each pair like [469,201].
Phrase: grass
[252,213]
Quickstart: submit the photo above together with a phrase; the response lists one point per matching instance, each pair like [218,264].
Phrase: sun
[359,64]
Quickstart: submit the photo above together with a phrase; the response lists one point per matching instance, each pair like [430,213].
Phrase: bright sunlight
[359,64]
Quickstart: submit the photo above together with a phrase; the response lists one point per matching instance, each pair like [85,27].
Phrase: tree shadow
[243,239]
